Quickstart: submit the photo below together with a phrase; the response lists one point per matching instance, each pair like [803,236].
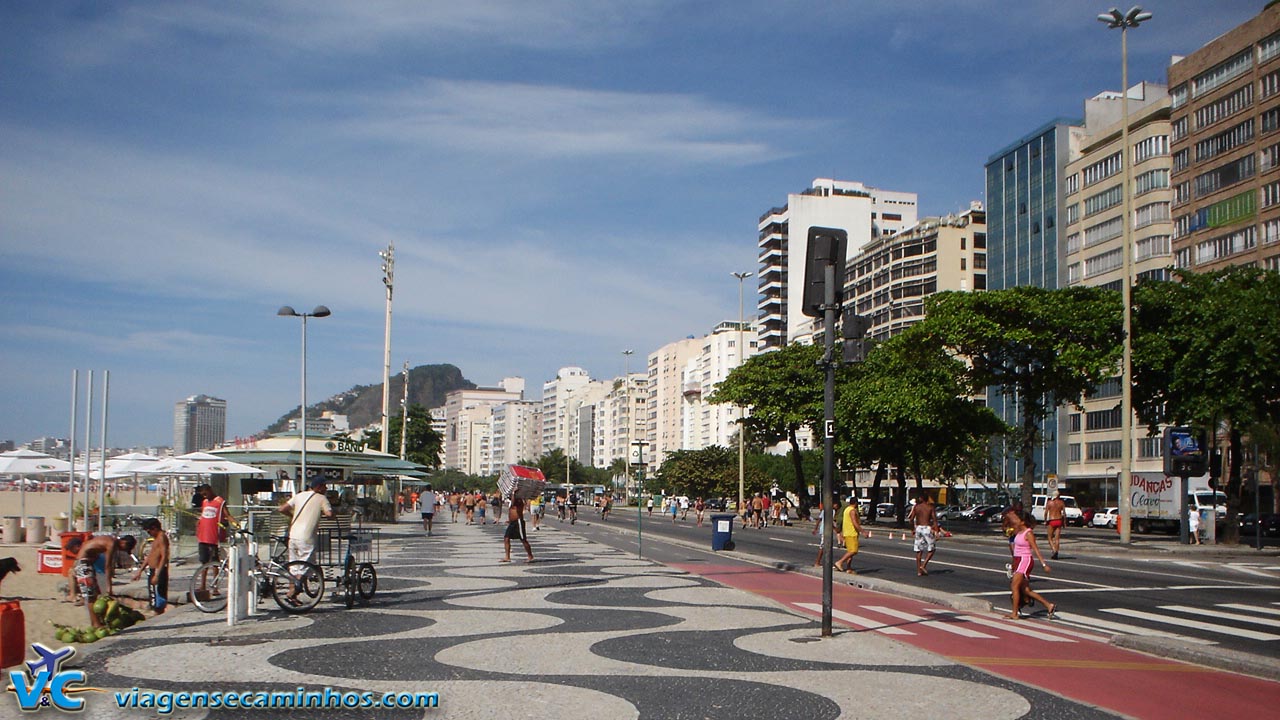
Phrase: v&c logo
[46,684]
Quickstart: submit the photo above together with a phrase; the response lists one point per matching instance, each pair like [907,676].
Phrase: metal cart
[348,555]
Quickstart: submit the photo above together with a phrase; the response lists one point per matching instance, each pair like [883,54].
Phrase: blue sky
[562,179]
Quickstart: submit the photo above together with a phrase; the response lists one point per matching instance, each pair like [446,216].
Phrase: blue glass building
[1025,191]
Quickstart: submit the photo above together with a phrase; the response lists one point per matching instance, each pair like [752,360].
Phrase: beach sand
[41,595]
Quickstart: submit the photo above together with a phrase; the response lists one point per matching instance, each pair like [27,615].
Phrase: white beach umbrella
[29,462]
[201,463]
[135,464]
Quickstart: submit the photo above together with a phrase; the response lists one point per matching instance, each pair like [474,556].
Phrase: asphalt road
[1208,595]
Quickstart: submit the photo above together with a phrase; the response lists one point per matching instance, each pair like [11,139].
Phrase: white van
[1072,513]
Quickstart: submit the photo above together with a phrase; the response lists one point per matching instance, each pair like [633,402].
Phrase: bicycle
[358,578]
[277,577]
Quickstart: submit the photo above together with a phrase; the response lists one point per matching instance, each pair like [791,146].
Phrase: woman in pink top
[1024,545]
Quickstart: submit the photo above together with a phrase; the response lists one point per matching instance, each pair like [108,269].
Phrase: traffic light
[854,328]
[826,246]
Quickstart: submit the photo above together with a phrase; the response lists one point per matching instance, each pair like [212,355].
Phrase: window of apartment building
[1269,84]
[979,261]
[1154,146]
[1103,231]
[1271,231]
[1151,213]
[1269,194]
[1104,450]
[1073,452]
[1102,169]
[1268,48]
[1178,129]
[1182,258]
[1151,180]
[1268,157]
[1108,388]
[964,264]
[1103,262]
[1226,175]
[1178,96]
[1154,246]
[1073,213]
[979,241]
[1157,275]
[1074,419]
[1226,245]
[1224,141]
[1270,119]
[1272,263]
[1182,192]
[1226,107]
[980,281]
[1226,212]
[1149,447]
[1072,184]
[1222,73]
[1102,419]
[1073,272]
[1182,160]
[1073,243]
[1104,200]
[1181,226]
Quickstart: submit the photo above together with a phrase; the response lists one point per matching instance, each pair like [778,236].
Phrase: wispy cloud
[168,343]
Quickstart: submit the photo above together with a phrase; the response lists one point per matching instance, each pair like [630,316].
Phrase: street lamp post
[627,417]
[404,410]
[742,426]
[1123,21]
[568,438]
[319,312]
[388,279]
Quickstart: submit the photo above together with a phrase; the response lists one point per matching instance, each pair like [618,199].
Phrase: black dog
[8,565]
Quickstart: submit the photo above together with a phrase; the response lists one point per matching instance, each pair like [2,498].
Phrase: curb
[1217,658]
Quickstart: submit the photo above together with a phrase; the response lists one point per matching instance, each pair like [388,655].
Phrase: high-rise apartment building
[1226,149]
[557,417]
[619,418]
[468,425]
[888,281]
[1093,224]
[666,367]
[703,423]
[866,213]
[1026,190]
[516,432]
[199,423]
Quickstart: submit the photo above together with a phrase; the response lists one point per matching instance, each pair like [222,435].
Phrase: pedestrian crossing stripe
[952,624]
[1249,608]
[1093,623]
[851,619]
[1265,622]
[1016,629]
[953,628]
[1189,623]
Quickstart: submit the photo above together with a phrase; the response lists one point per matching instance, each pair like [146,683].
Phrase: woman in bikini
[1024,546]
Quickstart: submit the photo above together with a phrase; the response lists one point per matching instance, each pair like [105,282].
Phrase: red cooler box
[49,560]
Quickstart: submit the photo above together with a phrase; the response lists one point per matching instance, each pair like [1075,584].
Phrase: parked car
[1270,524]
[1086,516]
[950,512]
[1106,517]
[1070,511]
[885,510]
[717,504]
[990,513]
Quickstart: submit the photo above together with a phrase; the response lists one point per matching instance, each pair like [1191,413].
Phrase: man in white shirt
[305,510]
[430,502]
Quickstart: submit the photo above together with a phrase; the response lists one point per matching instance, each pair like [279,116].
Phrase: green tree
[782,390]
[422,444]
[1206,350]
[1043,348]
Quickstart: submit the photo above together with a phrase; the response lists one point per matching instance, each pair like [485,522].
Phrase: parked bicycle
[354,575]
[278,577]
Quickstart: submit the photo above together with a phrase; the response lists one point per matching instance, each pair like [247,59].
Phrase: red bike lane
[1054,657]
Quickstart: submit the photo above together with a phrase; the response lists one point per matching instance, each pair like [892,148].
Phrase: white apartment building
[704,424]
[580,408]
[468,424]
[1094,254]
[619,418]
[516,432]
[866,213]
[440,425]
[889,280]
[557,419]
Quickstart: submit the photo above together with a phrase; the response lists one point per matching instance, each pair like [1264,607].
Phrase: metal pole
[1257,510]
[88,443]
[404,410]
[1126,381]
[71,494]
[102,483]
[389,276]
[742,466]
[302,419]
[829,437]
[628,421]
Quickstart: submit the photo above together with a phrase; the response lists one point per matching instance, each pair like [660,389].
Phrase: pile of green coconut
[115,616]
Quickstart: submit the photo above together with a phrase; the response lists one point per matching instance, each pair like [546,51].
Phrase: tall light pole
[404,410]
[568,438]
[388,279]
[319,312]
[627,417]
[742,426]
[1115,19]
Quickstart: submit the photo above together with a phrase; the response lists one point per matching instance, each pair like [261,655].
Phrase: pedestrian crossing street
[1252,622]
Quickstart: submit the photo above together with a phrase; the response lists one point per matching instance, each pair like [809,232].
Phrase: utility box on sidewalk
[722,531]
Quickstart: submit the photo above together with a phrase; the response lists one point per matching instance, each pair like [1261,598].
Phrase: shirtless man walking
[925,520]
[1055,515]
[516,530]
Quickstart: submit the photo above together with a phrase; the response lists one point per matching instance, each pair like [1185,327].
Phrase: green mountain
[362,404]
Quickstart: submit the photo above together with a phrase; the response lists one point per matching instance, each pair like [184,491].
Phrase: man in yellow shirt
[851,528]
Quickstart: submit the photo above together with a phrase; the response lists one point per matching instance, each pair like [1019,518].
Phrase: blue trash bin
[722,531]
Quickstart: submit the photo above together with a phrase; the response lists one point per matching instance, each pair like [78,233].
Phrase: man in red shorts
[1055,514]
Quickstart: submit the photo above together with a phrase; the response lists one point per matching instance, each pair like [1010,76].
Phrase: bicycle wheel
[366,580]
[308,580]
[349,582]
[209,587]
